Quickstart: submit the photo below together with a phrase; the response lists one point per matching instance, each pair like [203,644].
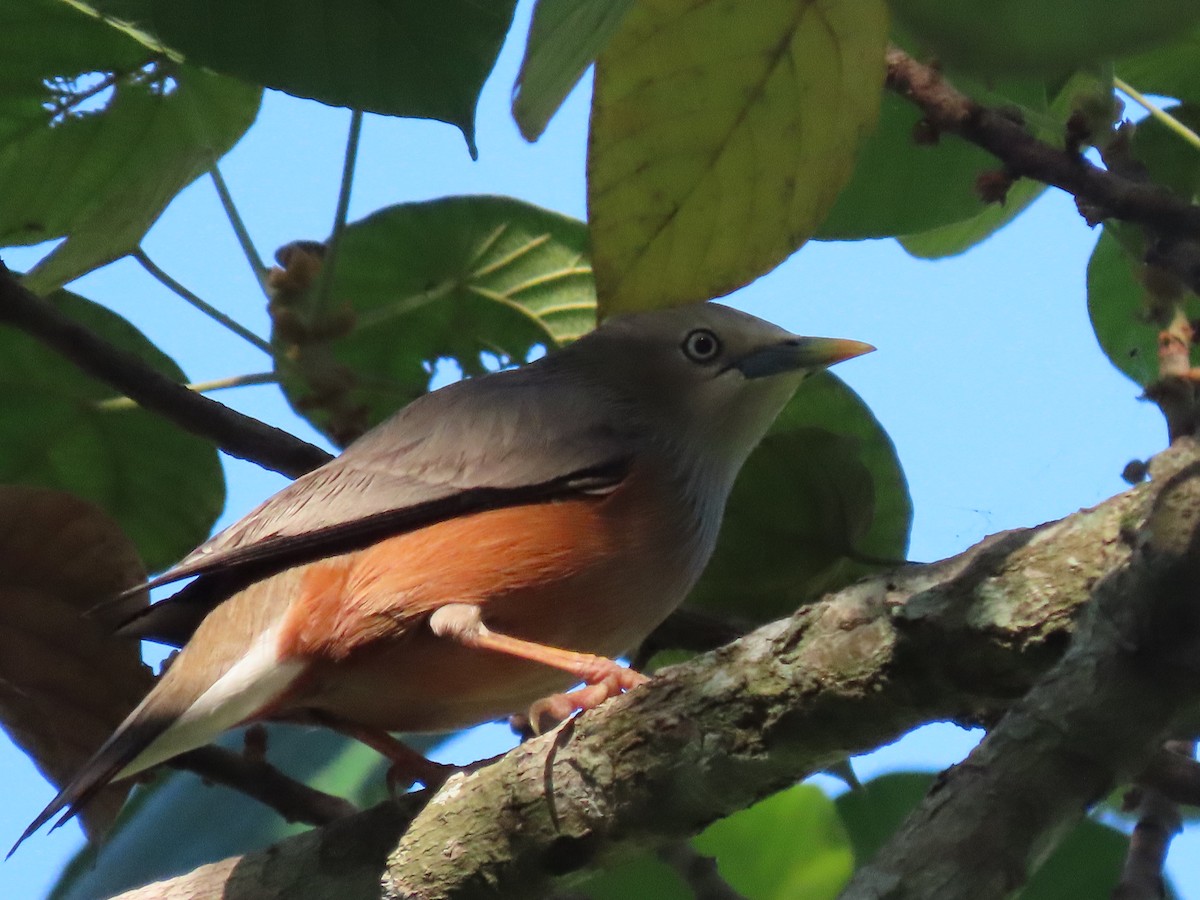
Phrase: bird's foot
[548,712]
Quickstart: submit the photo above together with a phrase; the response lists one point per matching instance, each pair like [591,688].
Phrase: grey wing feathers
[473,445]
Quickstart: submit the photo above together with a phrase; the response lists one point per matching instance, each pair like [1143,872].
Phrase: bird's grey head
[714,377]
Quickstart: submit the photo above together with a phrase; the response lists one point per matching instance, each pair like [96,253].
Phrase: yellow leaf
[722,131]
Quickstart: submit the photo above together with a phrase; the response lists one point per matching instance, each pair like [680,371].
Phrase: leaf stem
[200,387]
[207,308]
[320,297]
[239,227]
[1158,112]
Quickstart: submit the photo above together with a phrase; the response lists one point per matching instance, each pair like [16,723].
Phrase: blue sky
[1003,410]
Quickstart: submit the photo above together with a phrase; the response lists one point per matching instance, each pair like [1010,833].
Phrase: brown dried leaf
[65,680]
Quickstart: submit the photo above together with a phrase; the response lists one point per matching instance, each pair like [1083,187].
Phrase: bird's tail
[133,736]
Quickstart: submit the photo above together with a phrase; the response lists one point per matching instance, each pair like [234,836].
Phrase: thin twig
[1109,194]
[239,227]
[1157,112]
[295,801]
[113,404]
[237,434]
[320,297]
[203,305]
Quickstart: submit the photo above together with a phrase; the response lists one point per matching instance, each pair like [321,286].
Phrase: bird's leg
[407,765]
[602,677]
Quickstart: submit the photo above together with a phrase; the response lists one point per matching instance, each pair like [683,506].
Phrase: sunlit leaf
[1030,37]
[461,278]
[787,846]
[65,681]
[819,503]
[396,57]
[721,134]
[564,38]
[163,486]
[93,148]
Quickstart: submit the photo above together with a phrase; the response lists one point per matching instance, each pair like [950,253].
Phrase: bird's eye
[701,346]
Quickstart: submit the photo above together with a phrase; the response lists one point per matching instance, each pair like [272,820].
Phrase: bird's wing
[505,439]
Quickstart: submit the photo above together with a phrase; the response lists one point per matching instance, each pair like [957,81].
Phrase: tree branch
[237,434]
[1104,193]
[960,640]
[294,800]
[1088,725]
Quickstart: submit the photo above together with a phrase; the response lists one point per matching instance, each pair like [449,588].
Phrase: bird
[477,554]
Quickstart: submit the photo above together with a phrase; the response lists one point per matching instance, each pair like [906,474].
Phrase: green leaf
[958,237]
[97,137]
[164,487]
[900,186]
[1085,865]
[396,57]
[721,135]
[179,823]
[641,876]
[1128,302]
[1035,37]
[787,846]
[1124,317]
[1169,70]
[874,811]
[820,498]
[47,42]
[564,38]
[446,279]
[1169,159]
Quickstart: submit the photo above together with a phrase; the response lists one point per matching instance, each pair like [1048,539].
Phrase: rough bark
[963,639]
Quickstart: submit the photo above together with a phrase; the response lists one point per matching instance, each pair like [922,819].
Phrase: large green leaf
[721,135]
[447,279]
[564,38]
[1122,314]
[97,137]
[900,186]
[789,846]
[396,57]
[820,498]
[163,486]
[958,237]
[179,823]
[1084,866]
[1169,70]
[1029,37]
[1129,305]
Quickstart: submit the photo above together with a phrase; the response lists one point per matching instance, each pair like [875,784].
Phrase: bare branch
[294,800]
[237,434]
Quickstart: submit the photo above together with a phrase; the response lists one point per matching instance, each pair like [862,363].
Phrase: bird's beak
[799,353]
